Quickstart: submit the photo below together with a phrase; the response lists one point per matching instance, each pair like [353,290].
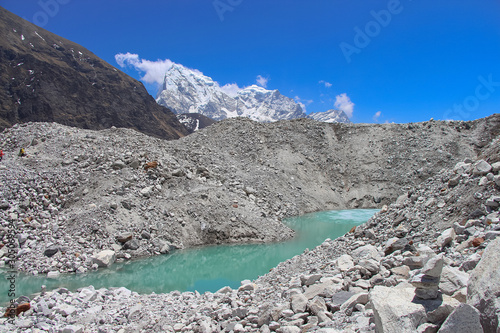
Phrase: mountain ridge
[45,77]
[189,91]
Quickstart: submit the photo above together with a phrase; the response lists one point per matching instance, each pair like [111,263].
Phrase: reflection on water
[205,268]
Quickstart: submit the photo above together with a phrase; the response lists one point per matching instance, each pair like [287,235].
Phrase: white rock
[104,258]
[65,309]
[446,237]
[224,290]
[53,275]
[481,168]
[308,280]
[289,329]
[72,329]
[247,287]
[345,262]
[366,252]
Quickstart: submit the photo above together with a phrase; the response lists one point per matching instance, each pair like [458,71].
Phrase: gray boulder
[394,311]
[483,290]
[465,319]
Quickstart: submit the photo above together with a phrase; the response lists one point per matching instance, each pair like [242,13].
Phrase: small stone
[247,287]
[345,263]
[72,329]
[492,234]
[477,241]
[224,290]
[53,275]
[427,328]
[65,309]
[132,244]
[104,258]
[298,303]
[117,165]
[317,305]
[495,167]
[50,251]
[481,168]
[433,267]
[308,280]
[124,237]
[446,237]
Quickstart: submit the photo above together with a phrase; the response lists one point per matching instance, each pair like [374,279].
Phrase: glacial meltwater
[203,269]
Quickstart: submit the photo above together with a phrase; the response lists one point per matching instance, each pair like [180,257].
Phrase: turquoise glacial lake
[203,269]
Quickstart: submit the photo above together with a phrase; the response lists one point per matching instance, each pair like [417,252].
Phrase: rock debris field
[427,262]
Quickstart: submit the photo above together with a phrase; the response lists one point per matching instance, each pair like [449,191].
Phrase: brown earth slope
[44,77]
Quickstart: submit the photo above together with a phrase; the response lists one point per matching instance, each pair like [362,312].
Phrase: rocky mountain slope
[426,263]
[330,116]
[44,77]
[189,91]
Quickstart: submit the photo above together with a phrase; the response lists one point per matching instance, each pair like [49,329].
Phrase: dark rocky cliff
[44,77]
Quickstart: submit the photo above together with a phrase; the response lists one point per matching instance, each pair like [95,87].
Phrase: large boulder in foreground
[483,290]
[398,310]
[465,319]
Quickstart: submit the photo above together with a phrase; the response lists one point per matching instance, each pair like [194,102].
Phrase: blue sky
[384,61]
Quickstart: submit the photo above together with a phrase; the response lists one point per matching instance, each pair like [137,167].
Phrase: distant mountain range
[44,77]
[189,91]
[330,116]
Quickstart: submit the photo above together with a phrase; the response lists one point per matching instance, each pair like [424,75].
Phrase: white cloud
[377,115]
[302,103]
[231,89]
[327,84]
[154,71]
[262,81]
[343,102]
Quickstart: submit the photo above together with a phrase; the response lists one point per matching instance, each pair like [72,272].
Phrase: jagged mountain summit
[44,77]
[189,91]
[331,116]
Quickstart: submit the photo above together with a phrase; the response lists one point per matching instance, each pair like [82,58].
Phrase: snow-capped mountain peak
[189,91]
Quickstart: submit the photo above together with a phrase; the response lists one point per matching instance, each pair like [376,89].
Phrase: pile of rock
[426,263]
